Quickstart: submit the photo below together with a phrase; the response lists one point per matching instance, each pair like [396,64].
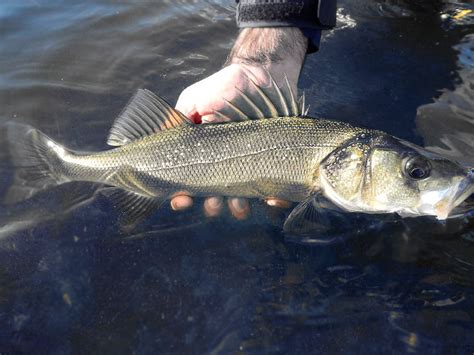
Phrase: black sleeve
[317,14]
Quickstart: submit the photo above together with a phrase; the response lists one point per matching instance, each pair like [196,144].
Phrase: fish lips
[451,207]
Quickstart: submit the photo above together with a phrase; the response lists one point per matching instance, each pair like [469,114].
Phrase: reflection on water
[71,282]
[447,125]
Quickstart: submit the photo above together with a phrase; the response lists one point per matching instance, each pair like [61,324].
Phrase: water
[71,283]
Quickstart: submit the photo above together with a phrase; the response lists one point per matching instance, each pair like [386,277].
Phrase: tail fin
[37,160]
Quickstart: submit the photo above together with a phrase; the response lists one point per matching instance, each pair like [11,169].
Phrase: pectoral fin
[316,220]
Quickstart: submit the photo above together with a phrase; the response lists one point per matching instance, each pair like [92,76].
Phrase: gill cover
[344,173]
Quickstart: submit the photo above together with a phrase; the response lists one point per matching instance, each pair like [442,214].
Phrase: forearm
[278,50]
[267,45]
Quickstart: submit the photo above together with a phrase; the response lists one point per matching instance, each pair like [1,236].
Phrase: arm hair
[265,45]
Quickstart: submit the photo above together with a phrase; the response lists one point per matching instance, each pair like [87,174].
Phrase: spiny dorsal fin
[257,112]
[281,97]
[271,102]
[272,111]
[236,110]
[145,114]
[303,108]
[293,103]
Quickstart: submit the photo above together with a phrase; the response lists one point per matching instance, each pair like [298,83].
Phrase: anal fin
[132,206]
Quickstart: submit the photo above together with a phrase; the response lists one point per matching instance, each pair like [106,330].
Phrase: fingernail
[271,203]
[239,207]
[212,206]
[274,202]
[182,202]
[239,204]
[214,202]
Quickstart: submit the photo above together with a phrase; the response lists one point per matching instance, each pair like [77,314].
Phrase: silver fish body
[287,155]
[259,158]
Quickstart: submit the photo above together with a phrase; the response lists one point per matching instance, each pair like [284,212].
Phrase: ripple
[198,56]
[174,61]
[193,71]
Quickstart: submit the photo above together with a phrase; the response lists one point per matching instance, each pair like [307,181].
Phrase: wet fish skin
[287,156]
[258,158]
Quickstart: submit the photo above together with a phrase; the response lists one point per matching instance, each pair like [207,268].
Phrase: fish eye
[417,168]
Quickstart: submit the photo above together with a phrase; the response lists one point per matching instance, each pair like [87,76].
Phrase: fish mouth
[463,190]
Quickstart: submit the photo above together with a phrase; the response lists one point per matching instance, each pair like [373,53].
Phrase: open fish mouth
[464,208]
[452,207]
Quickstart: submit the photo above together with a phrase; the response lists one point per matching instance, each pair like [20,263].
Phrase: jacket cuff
[311,16]
[320,14]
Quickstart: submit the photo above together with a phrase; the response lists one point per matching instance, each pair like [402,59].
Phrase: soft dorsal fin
[145,114]
[271,102]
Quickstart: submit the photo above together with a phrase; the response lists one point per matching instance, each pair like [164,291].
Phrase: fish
[269,147]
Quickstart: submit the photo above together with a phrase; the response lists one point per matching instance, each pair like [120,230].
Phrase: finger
[181,202]
[213,206]
[239,207]
[183,104]
[276,202]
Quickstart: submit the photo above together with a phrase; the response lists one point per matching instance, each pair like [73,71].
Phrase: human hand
[200,100]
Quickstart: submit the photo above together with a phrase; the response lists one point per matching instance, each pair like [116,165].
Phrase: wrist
[278,50]
[264,45]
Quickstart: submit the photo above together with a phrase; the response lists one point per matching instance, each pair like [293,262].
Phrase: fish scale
[252,159]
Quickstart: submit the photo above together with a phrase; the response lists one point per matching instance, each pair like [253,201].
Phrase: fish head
[377,173]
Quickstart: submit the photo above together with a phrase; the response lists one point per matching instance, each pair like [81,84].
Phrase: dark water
[70,283]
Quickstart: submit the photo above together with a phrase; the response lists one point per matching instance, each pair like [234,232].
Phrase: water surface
[71,283]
